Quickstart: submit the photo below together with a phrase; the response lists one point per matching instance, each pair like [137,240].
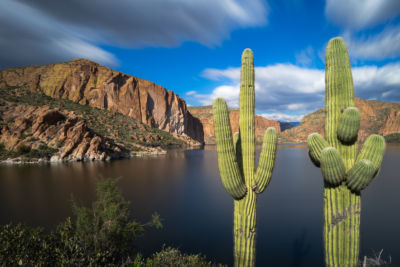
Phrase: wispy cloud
[191,93]
[28,36]
[360,14]
[305,57]
[377,47]
[29,28]
[287,92]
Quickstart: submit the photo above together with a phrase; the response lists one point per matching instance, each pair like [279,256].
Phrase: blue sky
[193,47]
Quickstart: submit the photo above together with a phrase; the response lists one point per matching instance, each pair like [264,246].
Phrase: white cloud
[215,74]
[381,83]
[229,92]
[287,92]
[282,117]
[360,14]
[278,87]
[381,46]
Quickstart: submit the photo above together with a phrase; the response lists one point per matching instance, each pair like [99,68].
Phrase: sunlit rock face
[89,83]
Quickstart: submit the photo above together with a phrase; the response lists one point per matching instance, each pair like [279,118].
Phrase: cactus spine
[345,174]
[236,162]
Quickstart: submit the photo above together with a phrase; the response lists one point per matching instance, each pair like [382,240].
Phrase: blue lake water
[185,189]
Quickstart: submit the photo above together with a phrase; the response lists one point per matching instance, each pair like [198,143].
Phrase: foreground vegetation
[101,235]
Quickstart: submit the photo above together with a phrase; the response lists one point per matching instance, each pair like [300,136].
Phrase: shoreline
[21,160]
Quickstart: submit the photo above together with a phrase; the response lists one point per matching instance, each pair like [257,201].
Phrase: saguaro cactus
[236,162]
[346,171]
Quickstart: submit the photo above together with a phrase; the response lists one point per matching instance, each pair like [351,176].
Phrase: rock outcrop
[377,117]
[30,128]
[204,114]
[88,83]
[392,123]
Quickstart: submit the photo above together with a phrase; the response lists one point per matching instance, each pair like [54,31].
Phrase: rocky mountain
[204,114]
[377,117]
[36,127]
[288,125]
[88,83]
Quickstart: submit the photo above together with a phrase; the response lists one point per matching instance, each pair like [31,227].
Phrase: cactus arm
[227,163]
[373,150]
[316,143]
[348,125]
[246,118]
[238,151]
[332,167]
[360,175]
[267,160]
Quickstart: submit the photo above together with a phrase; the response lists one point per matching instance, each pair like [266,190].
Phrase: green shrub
[23,245]
[102,235]
[23,149]
[170,257]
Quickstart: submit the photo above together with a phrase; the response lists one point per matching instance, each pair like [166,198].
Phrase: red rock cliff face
[204,114]
[392,123]
[89,83]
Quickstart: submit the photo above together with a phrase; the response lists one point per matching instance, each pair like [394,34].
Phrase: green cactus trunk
[236,162]
[342,200]
[342,207]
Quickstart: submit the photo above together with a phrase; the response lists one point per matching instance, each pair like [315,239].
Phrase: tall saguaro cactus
[236,162]
[345,170]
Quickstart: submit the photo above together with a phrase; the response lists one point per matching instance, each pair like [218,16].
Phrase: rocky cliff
[62,135]
[36,127]
[89,83]
[377,117]
[204,114]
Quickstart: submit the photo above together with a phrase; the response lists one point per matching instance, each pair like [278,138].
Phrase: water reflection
[184,187]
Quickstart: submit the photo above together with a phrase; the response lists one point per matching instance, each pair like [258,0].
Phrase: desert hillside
[377,117]
[34,126]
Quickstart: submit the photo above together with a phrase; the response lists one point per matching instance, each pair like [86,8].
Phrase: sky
[193,47]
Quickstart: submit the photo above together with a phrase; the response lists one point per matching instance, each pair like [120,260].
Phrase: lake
[184,188]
